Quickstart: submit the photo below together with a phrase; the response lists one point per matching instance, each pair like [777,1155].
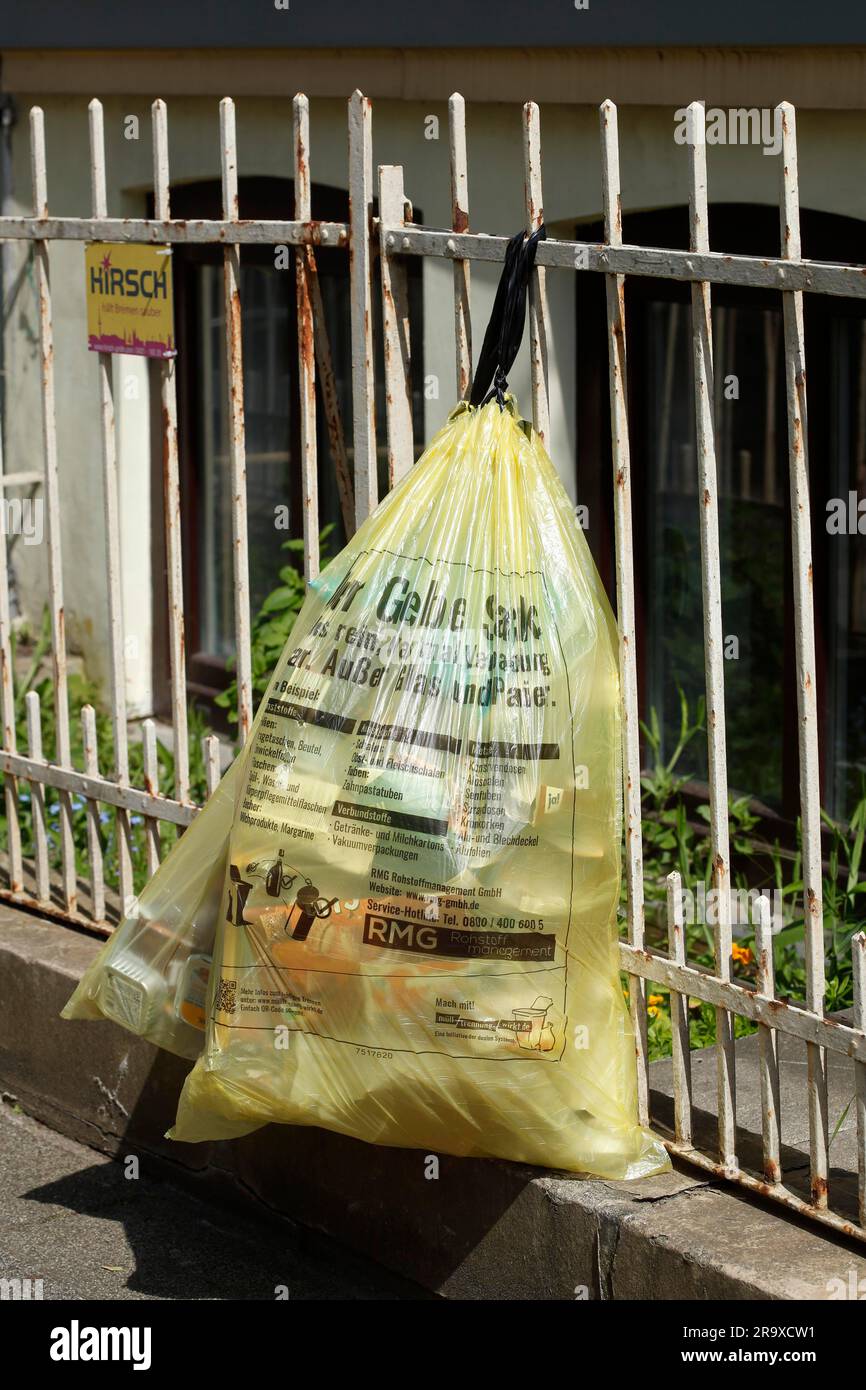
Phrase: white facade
[654,175]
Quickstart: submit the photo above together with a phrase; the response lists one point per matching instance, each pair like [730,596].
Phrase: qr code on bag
[227,996]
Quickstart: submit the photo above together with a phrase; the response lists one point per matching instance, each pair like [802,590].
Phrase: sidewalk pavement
[70,1217]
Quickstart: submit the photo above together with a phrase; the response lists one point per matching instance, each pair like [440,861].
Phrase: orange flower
[742,954]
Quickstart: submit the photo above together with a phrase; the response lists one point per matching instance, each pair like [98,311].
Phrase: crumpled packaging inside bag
[417,943]
[151,976]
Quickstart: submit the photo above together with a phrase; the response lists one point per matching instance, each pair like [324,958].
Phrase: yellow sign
[130,307]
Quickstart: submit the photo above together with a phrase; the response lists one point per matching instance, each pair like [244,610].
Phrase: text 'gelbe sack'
[418,943]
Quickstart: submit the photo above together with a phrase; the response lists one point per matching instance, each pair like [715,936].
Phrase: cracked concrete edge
[607,1241]
[696,1251]
[487,1230]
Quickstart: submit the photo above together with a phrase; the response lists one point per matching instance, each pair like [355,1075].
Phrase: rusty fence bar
[193,232]
[306,344]
[237,435]
[537,286]
[171,491]
[7,692]
[51,489]
[625,604]
[753,272]
[771,1129]
[393,236]
[804,634]
[858,948]
[395,326]
[711,584]
[360,271]
[460,223]
[117,684]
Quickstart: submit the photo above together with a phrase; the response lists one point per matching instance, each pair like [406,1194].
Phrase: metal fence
[398,237]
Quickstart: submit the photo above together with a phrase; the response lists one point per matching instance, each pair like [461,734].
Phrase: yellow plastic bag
[151,975]
[417,944]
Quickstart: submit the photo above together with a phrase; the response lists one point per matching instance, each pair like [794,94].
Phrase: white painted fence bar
[306,344]
[395,327]
[171,492]
[537,290]
[37,798]
[32,882]
[776,1013]
[94,840]
[776,1192]
[237,441]
[804,641]
[150,770]
[858,961]
[23,479]
[117,672]
[679,1005]
[771,1118]
[7,701]
[52,506]
[360,214]
[753,272]
[97,788]
[211,752]
[711,588]
[460,223]
[184,232]
[615,293]
[330,401]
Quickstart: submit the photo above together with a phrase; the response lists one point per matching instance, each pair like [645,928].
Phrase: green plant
[668,839]
[843,889]
[273,623]
[82,691]
[671,841]
[844,910]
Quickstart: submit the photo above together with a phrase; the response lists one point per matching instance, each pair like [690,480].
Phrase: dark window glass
[751,433]
[846,527]
[271,410]
[750,457]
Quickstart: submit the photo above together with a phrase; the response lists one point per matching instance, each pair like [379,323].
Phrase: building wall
[654,174]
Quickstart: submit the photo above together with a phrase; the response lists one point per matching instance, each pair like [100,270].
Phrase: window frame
[745,229]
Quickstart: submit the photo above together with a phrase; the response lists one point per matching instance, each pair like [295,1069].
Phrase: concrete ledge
[484,1230]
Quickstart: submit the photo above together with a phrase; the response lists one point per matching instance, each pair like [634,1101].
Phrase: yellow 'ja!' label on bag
[130,306]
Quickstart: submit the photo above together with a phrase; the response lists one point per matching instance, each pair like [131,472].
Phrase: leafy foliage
[672,841]
[81,692]
[273,623]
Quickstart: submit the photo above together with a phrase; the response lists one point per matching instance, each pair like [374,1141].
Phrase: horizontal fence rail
[229,232]
[389,238]
[753,272]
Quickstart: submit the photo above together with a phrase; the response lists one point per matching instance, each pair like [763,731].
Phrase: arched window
[754,505]
[271,410]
